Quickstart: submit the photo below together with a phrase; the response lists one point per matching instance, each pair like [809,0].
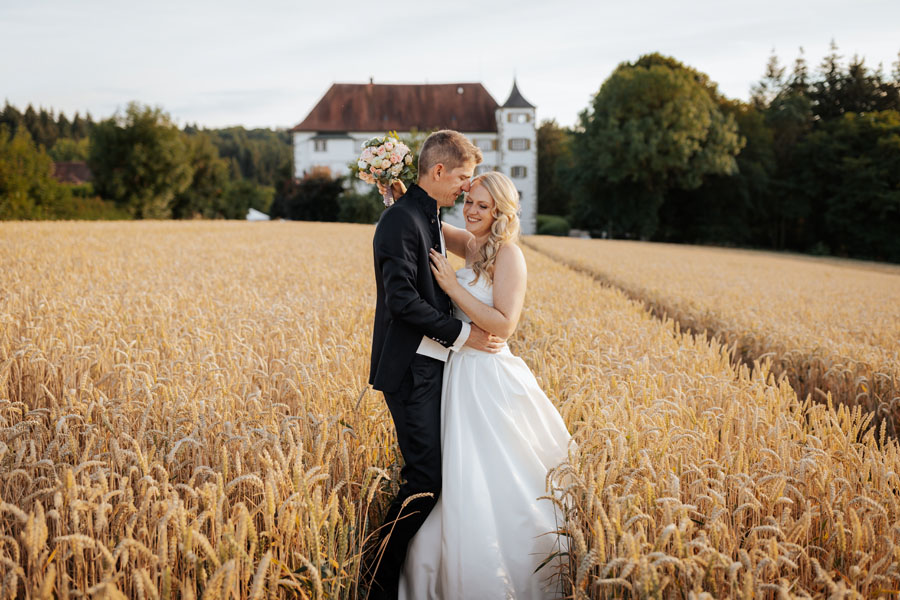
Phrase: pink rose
[389,146]
[380,151]
[395,158]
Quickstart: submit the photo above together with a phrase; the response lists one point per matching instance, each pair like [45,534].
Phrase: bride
[489,535]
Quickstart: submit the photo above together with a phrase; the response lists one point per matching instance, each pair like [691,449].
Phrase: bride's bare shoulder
[510,256]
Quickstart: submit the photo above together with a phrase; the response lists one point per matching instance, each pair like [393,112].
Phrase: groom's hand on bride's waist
[479,339]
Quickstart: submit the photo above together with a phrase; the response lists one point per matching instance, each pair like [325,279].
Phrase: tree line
[142,165]
[811,163]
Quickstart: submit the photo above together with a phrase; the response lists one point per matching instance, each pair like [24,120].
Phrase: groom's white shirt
[429,347]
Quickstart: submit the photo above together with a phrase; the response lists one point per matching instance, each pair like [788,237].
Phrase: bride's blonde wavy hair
[505,227]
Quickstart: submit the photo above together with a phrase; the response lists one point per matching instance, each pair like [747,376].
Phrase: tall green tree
[48,130]
[28,189]
[727,209]
[26,181]
[141,161]
[209,180]
[31,121]
[82,126]
[850,167]
[64,128]
[851,88]
[653,127]
[769,86]
[11,118]
[789,114]
[554,165]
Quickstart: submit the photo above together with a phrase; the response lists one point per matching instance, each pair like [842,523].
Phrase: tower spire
[516,100]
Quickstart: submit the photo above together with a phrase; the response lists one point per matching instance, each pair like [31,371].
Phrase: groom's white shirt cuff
[429,347]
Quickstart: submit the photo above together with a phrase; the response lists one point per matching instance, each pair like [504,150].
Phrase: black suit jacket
[409,302]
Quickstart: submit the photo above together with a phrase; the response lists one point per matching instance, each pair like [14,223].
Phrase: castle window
[483,169]
[320,145]
[519,144]
[486,144]
[518,117]
[518,172]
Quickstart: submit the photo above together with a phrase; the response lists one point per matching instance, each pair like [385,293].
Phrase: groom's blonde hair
[447,147]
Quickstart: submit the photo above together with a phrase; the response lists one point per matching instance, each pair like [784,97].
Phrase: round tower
[517,152]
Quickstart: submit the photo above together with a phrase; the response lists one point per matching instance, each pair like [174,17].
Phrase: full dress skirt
[489,531]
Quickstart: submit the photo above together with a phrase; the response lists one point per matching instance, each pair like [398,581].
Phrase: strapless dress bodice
[483,290]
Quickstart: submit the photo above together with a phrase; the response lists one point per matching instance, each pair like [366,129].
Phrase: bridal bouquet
[386,159]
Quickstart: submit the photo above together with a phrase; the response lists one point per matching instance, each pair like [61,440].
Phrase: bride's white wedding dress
[500,434]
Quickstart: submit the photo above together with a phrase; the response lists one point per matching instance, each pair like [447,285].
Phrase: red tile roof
[385,107]
[72,172]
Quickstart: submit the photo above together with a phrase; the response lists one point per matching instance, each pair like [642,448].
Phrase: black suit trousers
[416,410]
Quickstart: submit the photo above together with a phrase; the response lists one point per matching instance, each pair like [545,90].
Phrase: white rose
[362,164]
[408,159]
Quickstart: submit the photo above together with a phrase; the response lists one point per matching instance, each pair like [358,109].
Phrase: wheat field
[833,327]
[183,414]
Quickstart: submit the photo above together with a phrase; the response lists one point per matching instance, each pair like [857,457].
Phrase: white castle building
[348,114]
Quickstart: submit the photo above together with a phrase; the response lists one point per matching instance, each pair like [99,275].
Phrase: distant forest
[260,155]
[143,166]
[810,164]
[207,172]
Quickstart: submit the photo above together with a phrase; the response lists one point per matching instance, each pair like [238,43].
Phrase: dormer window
[518,117]
[320,145]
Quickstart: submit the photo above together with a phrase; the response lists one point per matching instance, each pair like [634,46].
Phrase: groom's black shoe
[372,590]
[376,593]
[400,525]
[369,588]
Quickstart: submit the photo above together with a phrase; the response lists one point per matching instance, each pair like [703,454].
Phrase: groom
[413,336]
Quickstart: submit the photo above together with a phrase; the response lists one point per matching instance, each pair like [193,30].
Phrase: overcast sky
[266,63]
